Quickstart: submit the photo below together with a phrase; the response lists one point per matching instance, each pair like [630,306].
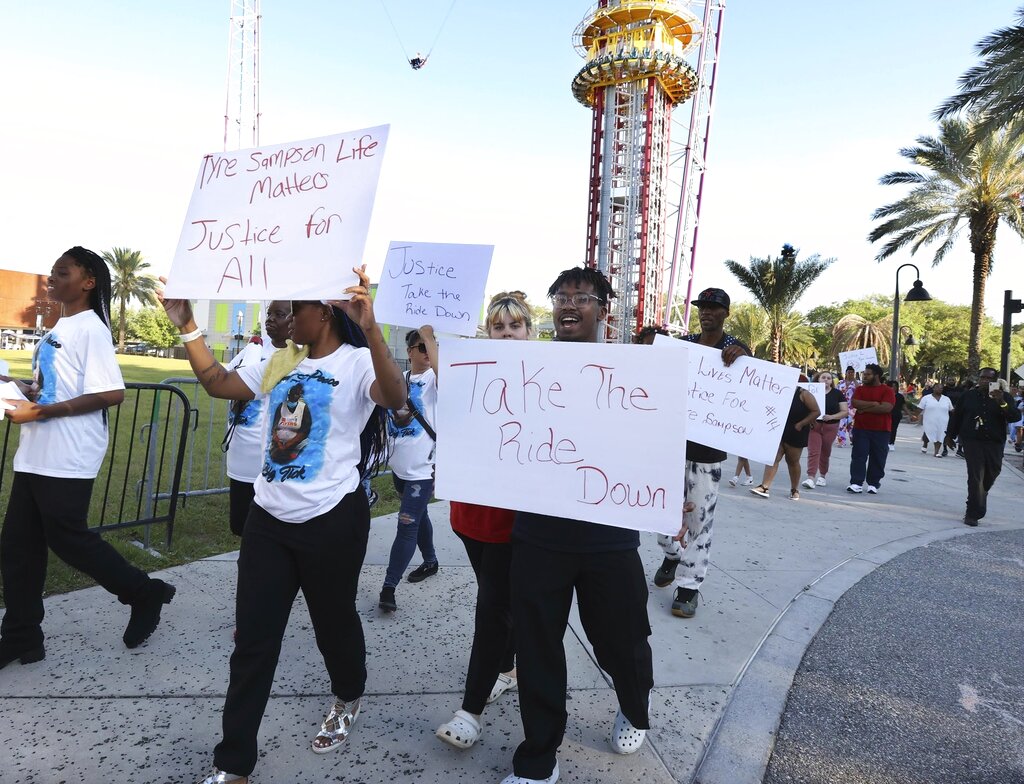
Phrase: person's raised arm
[388,387]
[430,343]
[217,380]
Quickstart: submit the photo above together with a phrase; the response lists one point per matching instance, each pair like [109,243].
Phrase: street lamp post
[238,333]
[916,294]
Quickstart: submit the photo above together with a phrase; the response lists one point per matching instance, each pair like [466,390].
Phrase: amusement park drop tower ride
[635,72]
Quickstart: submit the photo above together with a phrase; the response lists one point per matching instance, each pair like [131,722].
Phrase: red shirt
[482,523]
[871,420]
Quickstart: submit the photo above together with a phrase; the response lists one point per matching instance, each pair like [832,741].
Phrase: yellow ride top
[631,40]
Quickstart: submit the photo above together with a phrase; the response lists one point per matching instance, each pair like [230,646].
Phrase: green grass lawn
[201,523]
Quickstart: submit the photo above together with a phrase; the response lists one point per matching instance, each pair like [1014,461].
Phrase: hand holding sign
[436,283]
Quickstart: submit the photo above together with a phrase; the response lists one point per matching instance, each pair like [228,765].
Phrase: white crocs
[501,685]
[625,738]
[461,731]
[512,778]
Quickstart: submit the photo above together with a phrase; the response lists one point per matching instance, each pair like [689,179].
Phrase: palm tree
[777,284]
[128,282]
[852,332]
[995,87]
[797,339]
[748,323]
[969,178]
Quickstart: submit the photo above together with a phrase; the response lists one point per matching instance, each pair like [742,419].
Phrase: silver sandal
[220,777]
[336,726]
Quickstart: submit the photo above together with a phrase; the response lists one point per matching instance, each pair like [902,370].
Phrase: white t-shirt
[313,419]
[245,451]
[75,358]
[412,456]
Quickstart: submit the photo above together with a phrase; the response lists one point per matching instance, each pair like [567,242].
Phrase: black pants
[322,557]
[46,511]
[984,462]
[240,495]
[895,426]
[493,645]
[611,591]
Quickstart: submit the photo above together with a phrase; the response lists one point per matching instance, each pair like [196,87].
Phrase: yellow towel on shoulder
[281,363]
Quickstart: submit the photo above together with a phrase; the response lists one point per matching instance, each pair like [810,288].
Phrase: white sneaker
[748,482]
[924,449]
[808,483]
[872,489]
[512,778]
[625,738]
[892,447]
[855,489]
[734,481]
[820,481]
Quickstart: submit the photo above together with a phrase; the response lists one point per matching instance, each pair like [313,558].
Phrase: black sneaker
[387,600]
[146,612]
[373,498]
[422,572]
[684,604]
[666,573]
[970,521]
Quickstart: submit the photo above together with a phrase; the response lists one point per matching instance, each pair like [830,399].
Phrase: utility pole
[1010,306]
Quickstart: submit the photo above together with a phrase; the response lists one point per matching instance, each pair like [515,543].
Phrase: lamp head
[918,293]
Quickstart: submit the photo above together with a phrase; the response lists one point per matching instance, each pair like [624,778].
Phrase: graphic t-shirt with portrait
[313,419]
[413,455]
[75,358]
[245,451]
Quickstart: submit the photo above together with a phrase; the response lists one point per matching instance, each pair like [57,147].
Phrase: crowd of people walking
[323,406]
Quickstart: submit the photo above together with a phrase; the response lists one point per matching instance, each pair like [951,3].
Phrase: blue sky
[108,112]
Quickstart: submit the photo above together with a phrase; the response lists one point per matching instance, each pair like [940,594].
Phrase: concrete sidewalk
[93,711]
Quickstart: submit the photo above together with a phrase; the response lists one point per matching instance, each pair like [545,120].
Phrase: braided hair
[373,440]
[93,263]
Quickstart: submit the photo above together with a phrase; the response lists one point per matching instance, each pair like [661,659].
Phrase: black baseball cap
[712,297]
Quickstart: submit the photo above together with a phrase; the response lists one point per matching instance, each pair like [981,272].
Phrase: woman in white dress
[936,408]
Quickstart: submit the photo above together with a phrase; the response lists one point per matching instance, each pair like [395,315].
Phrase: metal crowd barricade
[146,448]
[206,475]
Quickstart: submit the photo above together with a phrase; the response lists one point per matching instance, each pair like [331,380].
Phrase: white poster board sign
[285,221]
[433,283]
[816,388]
[586,431]
[742,408]
[1020,371]
[858,359]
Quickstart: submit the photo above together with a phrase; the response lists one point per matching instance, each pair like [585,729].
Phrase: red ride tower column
[635,73]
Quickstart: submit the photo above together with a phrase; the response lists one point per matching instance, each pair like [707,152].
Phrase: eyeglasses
[579,300]
[421,346]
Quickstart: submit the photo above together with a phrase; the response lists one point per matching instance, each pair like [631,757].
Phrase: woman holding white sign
[486,533]
[310,521]
[823,433]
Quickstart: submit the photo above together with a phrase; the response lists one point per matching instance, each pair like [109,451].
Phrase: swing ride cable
[397,36]
[441,28]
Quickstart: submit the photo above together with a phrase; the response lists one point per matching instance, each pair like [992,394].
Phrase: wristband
[187,337]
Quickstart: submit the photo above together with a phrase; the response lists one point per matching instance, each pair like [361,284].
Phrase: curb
[742,741]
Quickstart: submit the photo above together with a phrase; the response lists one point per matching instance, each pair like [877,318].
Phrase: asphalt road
[917,677]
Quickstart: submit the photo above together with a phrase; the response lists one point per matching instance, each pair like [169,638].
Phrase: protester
[309,524]
[980,420]
[802,412]
[847,386]
[742,467]
[411,428]
[486,533]
[551,558]
[1016,436]
[935,410]
[897,412]
[242,442]
[823,433]
[873,402]
[62,443]
[703,473]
